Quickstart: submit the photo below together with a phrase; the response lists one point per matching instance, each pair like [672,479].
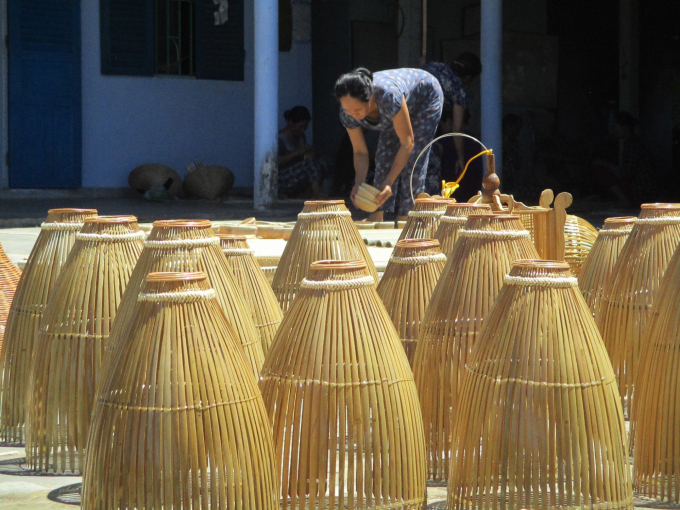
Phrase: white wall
[128,121]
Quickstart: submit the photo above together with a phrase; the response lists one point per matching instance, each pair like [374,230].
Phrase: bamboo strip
[45,261]
[257,292]
[453,220]
[469,283]
[423,220]
[340,393]
[407,285]
[187,246]
[598,266]
[179,422]
[629,295]
[324,230]
[539,423]
[9,279]
[66,370]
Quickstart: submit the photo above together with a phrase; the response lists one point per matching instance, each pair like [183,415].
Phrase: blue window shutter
[220,49]
[127,42]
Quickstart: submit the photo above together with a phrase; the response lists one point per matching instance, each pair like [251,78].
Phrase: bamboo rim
[180,422]
[189,246]
[540,423]
[424,219]
[47,257]
[628,299]
[66,368]
[257,292]
[340,394]
[454,218]
[475,268]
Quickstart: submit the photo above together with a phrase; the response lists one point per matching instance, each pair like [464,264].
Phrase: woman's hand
[385,193]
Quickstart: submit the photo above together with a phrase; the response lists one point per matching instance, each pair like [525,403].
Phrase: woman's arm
[458,116]
[404,130]
[356,136]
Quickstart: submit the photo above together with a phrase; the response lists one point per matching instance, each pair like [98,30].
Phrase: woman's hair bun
[364,72]
[357,84]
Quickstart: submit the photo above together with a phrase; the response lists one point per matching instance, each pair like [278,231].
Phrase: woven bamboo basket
[539,423]
[180,421]
[66,370]
[597,268]
[406,287]
[256,290]
[655,417]
[188,246]
[45,261]
[150,175]
[268,264]
[9,278]
[324,230]
[454,218]
[487,246]
[340,393]
[423,220]
[630,293]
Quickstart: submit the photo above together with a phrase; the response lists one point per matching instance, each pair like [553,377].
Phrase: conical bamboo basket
[188,246]
[324,230]
[9,279]
[67,362]
[423,220]
[45,261]
[629,296]
[453,220]
[340,393]
[5,304]
[406,287]
[487,246]
[256,290]
[180,421]
[268,264]
[598,266]
[539,423]
[655,417]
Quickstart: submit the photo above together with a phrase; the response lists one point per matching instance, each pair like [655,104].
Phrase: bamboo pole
[180,422]
[48,255]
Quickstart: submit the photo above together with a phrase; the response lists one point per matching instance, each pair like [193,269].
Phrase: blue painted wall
[174,121]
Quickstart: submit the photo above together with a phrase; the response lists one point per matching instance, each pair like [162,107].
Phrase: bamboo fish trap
[45,261]
[629,296]
[453,220]
[324,230]
[539,423]
[340,393]
[9,276]
[406,287]
[189,246]
[268,264]
[67,361]
[180,422]
[257,292]
[487,246]
[423,220]
[598,266]
[655,419]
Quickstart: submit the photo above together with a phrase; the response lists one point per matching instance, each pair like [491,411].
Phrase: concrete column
[491,46]
[4,106]
[629,57]
[266,102]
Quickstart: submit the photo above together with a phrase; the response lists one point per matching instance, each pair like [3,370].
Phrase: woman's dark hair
[297,114]
[625,119]
[357,84]
[467,64]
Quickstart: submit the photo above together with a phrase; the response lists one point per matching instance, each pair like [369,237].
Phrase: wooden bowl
[365,204]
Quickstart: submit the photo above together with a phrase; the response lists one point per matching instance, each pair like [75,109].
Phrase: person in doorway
[453,79]
[299,168]
[405,105]
[634,181]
